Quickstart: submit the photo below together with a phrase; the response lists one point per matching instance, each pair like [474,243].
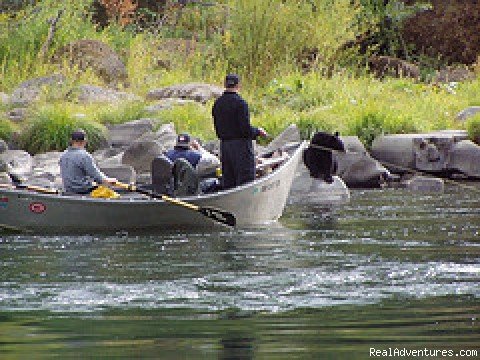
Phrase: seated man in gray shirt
[78,168]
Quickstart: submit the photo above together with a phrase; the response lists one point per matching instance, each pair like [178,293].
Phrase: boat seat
[185,178]
[162,181]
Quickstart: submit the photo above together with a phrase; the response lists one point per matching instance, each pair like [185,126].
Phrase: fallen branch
[51,33]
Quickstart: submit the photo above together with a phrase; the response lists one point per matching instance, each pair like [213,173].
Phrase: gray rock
[453,74]
[167,104]
[289,135]
[112,161]
[425,152]
[17,114]
[87,94]
[30,91]
[360,170]
[125,134]
[104,154]
[468,112]
[20,162]
[194,91]
[93,54]
[46,165]
[140,154]
[353,144]
[123,173]
[3,146]
[4,98]
[464,157]
[425,184]
[357,168]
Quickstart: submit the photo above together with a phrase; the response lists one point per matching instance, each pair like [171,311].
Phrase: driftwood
[51,33]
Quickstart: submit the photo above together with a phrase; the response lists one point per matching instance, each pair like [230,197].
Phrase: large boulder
[357,168]
[167,104]
[468,112]
[424,152]
[31,90]
[194,91]
[20,162]
[87,94]
[125,134]
[464,157]
[96,55]
[166,136]
[140,154]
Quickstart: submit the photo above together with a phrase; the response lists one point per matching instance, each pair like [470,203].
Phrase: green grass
[473,128]
[50,130]
[6,129]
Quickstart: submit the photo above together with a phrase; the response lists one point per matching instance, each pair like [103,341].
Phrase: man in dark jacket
[231,119]
[183,150]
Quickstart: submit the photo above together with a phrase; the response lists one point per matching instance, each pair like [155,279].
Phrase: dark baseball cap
[183,141]
[79,135]
[232,80]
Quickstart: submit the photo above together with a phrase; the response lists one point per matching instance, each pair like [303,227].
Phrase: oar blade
[218,215]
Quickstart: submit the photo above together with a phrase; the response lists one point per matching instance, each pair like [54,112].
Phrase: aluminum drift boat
[256,203]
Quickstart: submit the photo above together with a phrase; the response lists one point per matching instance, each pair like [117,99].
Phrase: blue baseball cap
[232,80]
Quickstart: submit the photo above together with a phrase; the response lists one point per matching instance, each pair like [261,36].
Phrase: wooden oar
[218,215]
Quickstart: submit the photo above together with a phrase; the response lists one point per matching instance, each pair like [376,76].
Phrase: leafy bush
[51,127]
[473,128]
[6,129]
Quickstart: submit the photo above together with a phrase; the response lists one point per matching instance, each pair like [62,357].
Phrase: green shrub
[473,128]
[6,129]
[51,127]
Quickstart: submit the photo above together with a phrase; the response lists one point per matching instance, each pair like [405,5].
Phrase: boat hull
[255,203]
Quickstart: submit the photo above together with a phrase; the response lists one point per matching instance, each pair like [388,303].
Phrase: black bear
[320,162]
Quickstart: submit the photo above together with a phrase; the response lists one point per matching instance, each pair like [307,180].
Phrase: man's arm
[247,130]
[94,172]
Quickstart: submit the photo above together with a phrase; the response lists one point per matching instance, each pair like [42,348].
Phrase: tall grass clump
[473,128]
[264,36]
[118,113]
[6,129]
[51,127]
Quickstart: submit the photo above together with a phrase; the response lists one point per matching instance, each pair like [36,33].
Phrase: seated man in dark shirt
[183,150]
[200,159]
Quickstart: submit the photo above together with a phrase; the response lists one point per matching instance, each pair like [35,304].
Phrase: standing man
[231,119]
[78,169]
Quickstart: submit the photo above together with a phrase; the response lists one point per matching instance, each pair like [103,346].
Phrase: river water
[389,271]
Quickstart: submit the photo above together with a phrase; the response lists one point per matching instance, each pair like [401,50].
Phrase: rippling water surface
[389,269]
